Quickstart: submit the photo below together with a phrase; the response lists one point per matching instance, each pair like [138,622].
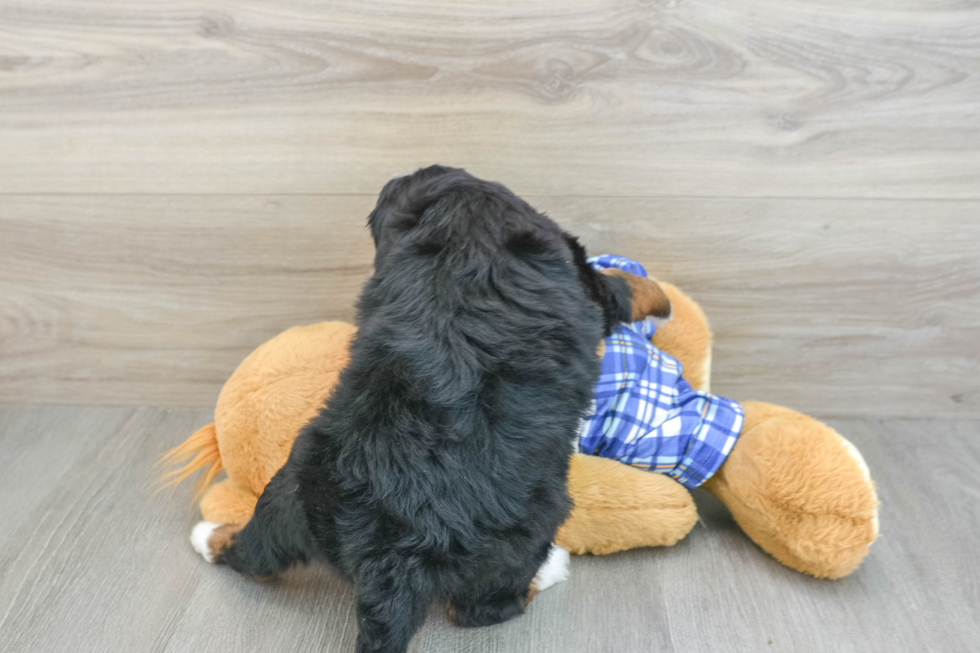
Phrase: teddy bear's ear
[647,298]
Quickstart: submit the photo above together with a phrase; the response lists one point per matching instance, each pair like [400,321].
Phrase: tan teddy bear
[795,486]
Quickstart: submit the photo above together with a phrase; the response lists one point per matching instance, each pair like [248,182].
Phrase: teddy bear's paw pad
[201,539]
[554,570]
[866,473]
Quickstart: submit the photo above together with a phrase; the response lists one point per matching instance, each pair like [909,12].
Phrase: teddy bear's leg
[620,507]
[686,337]
[800,491]
[228,502]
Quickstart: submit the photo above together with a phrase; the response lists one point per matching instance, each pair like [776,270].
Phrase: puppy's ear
[403,199]
[616,300]
[623,297]
[647,298]
[612,294]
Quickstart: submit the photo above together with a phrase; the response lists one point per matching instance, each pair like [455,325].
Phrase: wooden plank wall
[180,181]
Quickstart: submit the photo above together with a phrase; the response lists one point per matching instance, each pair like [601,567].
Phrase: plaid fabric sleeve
[719,422]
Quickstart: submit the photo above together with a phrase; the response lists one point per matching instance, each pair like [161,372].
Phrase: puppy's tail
[198,452]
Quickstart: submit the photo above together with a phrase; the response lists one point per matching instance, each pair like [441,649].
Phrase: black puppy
[437,470]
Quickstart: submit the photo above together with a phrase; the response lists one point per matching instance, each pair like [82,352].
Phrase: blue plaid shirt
[646,415]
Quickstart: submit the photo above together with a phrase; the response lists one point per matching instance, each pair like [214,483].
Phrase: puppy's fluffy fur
[437,471]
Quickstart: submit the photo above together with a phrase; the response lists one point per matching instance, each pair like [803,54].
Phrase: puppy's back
[474,360]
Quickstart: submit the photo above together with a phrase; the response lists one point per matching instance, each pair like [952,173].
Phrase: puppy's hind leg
[505,599]
[273,540]
[393,596]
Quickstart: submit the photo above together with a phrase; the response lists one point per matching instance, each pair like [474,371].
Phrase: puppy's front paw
[201,537]
[554,570]
[211,540]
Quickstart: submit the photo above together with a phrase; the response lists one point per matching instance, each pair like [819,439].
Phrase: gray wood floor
[92,560]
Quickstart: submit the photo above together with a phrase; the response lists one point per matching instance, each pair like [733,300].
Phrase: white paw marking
[554,570]
[200,535]
[859,459]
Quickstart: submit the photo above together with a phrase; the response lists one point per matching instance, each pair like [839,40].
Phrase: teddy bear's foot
[618,507]
[801,491]
[228,502]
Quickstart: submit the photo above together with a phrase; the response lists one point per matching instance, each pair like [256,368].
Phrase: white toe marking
[200,535]
[554,570]
[859,459]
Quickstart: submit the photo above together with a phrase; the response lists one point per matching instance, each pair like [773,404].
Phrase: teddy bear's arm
[686,337]
[618,507]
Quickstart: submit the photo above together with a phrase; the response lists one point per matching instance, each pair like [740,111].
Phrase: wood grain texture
[600,97]
[92,560]
[846,307]
[115,299]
